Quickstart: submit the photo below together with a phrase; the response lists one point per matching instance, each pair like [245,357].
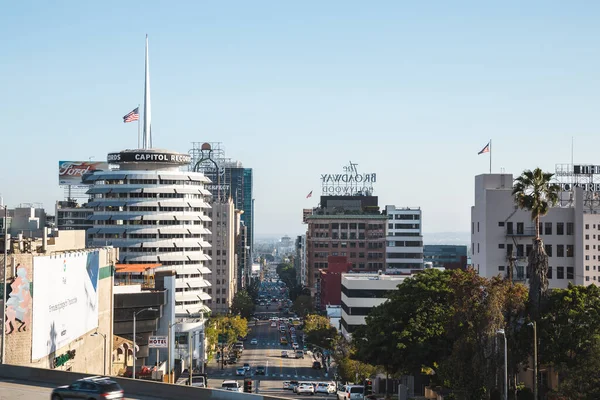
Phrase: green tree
[242,304]
[303,305]
[319,332]
[230,326]
[409,330]
[534,191]
[569,333]
[253,289]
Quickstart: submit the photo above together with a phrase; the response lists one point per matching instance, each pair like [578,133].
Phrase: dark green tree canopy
[242,304]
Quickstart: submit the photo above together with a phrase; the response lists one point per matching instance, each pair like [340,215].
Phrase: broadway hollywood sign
[349,182]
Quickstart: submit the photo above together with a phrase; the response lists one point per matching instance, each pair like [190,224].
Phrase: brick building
[331,280]
[347,226]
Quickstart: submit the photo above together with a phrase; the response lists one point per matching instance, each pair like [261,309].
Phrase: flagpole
[490,156]
[139,126]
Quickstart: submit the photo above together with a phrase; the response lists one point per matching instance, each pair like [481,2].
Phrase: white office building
[362,292]
[404,239]
[155,214]
[570,231]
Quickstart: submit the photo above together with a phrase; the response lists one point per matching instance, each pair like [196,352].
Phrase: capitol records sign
[70,173]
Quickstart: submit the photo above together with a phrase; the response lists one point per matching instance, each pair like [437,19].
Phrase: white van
[232,386]
[351,392]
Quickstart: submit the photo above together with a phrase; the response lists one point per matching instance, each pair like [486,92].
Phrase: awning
[205,192]
[110,230]
[125,190]
[187,217]
[158,190]
[112,177]
[188,189]
[198,257]
[204,296]
[91,231]
[198,177]
[126,217]
[173,177]
[106,203]
[97,217]
[90,178]
[204,271]
[175,231]
[98,190]
[159,217]
[205,218]
[135,267]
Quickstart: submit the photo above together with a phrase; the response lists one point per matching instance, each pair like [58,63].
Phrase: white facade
[362,292]
[156,213]
[570,231]
[404,239]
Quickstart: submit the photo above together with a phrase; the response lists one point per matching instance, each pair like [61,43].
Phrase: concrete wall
[89,357]
[130,386]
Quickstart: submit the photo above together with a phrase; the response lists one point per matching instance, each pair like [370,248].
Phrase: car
[292,385]
[240,371]
[325,387]
[286,384]
[260,370]
[95,387]
[284,354]
[299,354]
[273,324]
[254,341]
[305,387]
[295,346]
[246,366]
[316,365]
[351,392]
[232,386]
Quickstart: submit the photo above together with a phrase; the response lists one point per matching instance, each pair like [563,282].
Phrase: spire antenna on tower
[147,137]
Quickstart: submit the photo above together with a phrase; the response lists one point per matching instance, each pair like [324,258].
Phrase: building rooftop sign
[149,156]
[350,182]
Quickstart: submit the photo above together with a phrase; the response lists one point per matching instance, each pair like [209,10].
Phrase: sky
[408,90]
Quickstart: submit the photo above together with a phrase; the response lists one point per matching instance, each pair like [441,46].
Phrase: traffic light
[248,385]
[368,387]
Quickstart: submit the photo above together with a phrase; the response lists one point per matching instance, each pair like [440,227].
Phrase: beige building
[570,231]
[222,263]
[58,294]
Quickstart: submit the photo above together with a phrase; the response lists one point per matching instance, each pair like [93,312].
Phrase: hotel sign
[349,183]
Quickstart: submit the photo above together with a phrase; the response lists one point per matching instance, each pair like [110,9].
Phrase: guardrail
[132,387]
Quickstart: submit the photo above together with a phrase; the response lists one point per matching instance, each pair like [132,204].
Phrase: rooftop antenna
[147,142]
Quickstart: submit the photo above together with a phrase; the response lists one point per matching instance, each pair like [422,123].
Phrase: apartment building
[502,235]
[404,239]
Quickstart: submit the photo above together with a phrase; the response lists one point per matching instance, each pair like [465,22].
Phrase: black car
[260,370]
[95,387]
[316,365]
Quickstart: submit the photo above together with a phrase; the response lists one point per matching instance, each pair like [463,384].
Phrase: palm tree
[534,191]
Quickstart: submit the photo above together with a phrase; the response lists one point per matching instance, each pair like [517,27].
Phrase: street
[267,353]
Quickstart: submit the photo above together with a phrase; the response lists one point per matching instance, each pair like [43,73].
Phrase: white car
[232,386]
[240,371]
[295,346]
[306,388]
[326,387]
[254,341]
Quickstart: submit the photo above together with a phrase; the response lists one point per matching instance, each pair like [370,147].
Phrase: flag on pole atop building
[309,195]
[486,149]
[133,115]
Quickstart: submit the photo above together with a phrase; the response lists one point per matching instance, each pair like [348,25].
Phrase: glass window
[520,228]
[560,250]
[548,248]
[500,245]
[501,268]
[570,273]
[509,228]
[500,223]
[548,228]
[570,228]
[560,228]
[549,273]
[560,272]
[570,250]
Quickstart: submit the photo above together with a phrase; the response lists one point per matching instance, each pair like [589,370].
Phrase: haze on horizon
[409,91]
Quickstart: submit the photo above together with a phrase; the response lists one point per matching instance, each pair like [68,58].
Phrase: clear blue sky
[410,90]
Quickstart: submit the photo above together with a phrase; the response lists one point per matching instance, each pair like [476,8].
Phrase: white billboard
[65,300]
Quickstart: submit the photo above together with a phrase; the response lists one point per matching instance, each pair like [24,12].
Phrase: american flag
[133,115]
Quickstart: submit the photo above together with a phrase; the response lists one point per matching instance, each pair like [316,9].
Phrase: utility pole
[535,362]
[2,356]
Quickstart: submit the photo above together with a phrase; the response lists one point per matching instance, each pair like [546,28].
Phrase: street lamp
[134,316]
[104,336]
[501,332]
[535,360]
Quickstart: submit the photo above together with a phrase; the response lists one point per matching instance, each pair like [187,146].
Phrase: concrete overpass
[28,383]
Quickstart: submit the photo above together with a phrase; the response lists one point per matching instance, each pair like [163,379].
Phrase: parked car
[286,384]
[260,370]
[284,353]
[299,354]
[232,386]
[247,366]
[254,341]
[293,385]
[351,392]
[316,365]
[95,387]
